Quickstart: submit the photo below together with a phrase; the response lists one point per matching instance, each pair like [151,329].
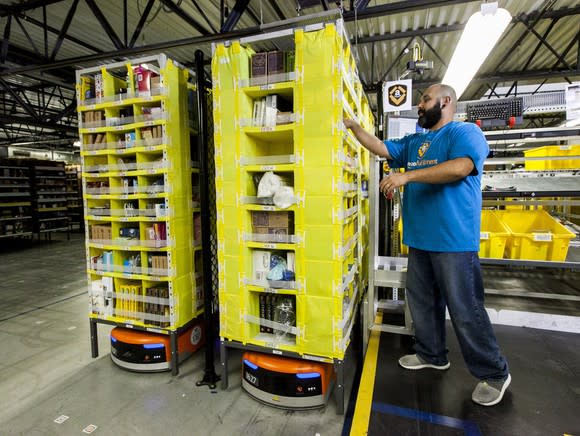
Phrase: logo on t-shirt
[423,149]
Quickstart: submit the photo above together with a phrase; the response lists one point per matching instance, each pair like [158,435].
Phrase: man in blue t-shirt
[441,215]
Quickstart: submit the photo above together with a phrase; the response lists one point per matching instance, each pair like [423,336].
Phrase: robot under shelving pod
[287,382]
[151,352]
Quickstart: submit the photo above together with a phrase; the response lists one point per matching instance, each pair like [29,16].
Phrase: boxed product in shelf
[266,110]
[157,261]
[280,310]
[259,65]
[276,62]
[101,232]
[276,223]
[156,233]
[157,305]
[273,265]
[129,232]
[128,303]
[99,92]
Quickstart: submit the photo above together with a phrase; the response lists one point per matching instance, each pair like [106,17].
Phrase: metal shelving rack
[15,199]
[74,196]
[49,200]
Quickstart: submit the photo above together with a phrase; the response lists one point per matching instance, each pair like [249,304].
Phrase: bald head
[441,91]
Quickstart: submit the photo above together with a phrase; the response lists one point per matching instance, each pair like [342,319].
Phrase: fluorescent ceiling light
[480,35]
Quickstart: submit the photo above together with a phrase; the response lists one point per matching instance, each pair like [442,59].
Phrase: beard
[430,117]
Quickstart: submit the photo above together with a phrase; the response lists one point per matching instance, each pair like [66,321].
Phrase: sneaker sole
[498,399]
[426,365]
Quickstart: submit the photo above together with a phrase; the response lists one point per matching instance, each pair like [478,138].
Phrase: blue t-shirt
[441,217]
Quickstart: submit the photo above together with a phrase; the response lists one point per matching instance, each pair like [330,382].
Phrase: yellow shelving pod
[139,204]
[324,225]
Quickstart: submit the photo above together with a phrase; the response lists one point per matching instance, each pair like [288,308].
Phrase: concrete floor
[46,370]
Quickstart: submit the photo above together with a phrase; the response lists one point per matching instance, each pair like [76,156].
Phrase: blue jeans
[437,279]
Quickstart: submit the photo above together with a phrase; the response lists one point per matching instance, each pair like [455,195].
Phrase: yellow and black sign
[397,95]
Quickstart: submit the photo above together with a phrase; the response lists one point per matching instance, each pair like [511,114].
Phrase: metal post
[94,338]
[224,364]
[174,353]
[210,378]
[339,368]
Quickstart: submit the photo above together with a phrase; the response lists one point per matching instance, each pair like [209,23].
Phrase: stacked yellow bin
[325,166]
[136,164]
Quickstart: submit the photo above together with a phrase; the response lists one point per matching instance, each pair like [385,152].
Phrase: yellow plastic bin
[493,236]
[535,235]
[551,151]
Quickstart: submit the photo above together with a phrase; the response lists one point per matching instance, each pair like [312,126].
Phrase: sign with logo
[397,95]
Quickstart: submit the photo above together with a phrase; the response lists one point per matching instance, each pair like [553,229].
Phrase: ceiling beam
[29,110]
[408,33]
[19,8]
[274,4]
[105,24]
[38,123]
[204,15]
[361,4]
[56,32]
[508,76]
[64,29]
[400,7]
[235,15]
[184,16]
[141,23]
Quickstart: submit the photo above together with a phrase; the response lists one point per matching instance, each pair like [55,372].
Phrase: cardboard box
[271,219]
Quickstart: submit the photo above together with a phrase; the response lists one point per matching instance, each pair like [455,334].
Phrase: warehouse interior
[62,370]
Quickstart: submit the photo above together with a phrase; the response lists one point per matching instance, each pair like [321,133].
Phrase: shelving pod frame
[137,190]
[326,166]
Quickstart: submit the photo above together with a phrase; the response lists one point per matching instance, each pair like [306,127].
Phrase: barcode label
[267,129]
[266,87]
[270,246]
[565,147]
[542,237]
[484,235]
[267,168]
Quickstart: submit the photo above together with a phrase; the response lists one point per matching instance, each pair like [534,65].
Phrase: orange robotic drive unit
[287,382]
[147,352]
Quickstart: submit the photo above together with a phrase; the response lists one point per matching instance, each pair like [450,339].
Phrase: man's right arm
[370,142]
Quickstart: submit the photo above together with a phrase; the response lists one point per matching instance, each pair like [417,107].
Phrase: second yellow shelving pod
[310,309]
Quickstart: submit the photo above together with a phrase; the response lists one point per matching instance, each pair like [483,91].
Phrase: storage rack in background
[74,196]
[49,198]
[143,269]
[15,199]
[322,235]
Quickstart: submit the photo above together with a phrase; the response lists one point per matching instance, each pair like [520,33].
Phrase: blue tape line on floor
[470,427]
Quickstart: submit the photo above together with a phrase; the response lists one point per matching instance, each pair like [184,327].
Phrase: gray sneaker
[413,362]
[489,393]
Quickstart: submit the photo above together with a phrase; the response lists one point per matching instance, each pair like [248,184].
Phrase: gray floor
[46,370]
